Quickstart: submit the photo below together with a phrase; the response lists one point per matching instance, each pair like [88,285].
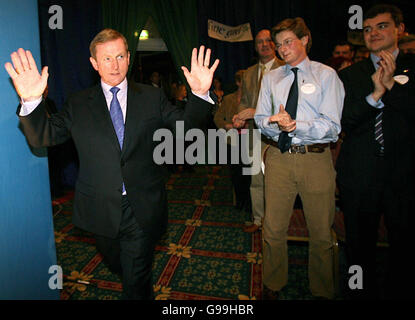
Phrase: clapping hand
[237,122]
[284,120]
[27,81]
[379,88]
[200,76]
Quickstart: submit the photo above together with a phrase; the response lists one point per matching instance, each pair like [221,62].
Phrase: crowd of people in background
[303,127]
[337,127]
[345,92]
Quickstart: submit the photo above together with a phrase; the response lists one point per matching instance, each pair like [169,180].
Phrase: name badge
[308,88]
[401,79]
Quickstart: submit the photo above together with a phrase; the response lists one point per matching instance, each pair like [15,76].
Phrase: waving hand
[27,81]
[200,76]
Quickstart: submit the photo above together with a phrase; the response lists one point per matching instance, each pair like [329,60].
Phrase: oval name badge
[308,88]
[401,79]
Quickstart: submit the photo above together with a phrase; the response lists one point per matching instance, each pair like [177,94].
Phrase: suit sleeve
[43,131]
[356,110]
[220,118]
[196,114]
[244,104]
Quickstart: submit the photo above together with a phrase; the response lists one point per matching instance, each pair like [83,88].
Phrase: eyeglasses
[285,43]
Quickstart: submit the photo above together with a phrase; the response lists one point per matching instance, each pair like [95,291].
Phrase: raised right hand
[27,81]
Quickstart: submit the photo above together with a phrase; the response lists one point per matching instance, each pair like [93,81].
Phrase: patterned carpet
[203,255]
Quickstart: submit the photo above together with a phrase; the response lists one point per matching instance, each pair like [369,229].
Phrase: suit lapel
[277,63]
[98,106]
[254,78]
[401,68]
[132,115]
[254,85]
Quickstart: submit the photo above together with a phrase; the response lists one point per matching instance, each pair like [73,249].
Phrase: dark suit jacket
[103,166]
[358,151]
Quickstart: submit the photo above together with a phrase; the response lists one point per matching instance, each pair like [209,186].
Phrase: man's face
[155,78]
[342,51]
[291,49]
[360,55]
[264,45]
[381,33]
[111,62]
[408,47]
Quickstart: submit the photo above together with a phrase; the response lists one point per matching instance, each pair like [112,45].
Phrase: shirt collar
[303,66]
[122,86]
[375,59]
[267,65]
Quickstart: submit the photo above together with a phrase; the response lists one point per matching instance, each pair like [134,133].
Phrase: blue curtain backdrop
[66,52]
[27,243]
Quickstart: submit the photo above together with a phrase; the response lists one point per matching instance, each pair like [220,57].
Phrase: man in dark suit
[375,165]
[120,193]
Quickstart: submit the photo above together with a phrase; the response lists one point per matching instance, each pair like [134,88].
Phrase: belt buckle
[297,149]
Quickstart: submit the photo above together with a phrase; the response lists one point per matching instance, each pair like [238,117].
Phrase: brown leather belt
[315,148]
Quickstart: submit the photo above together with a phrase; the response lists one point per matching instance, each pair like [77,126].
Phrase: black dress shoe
[269,294]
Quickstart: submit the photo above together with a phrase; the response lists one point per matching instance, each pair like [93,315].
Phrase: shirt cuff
[205,97]
[378,105]
[270,125]
[28,106]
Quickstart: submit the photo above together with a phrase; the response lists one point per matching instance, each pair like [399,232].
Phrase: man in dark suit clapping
[375,165]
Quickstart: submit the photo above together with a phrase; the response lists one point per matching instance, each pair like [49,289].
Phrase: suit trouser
[258,194]
[240,182]
[130,254]
[312,176]
[362,209]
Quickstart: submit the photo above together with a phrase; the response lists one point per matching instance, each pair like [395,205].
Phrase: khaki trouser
[312,176]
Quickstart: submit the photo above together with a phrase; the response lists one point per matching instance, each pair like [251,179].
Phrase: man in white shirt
[299,108]
[251,84]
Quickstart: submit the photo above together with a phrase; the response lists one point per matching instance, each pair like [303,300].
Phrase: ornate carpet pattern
[203,255]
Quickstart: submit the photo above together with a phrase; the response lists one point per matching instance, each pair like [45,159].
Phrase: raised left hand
[284,120]
[200,76]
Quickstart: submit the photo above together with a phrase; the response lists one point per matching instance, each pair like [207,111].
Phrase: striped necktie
[378,127]
[378,130]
